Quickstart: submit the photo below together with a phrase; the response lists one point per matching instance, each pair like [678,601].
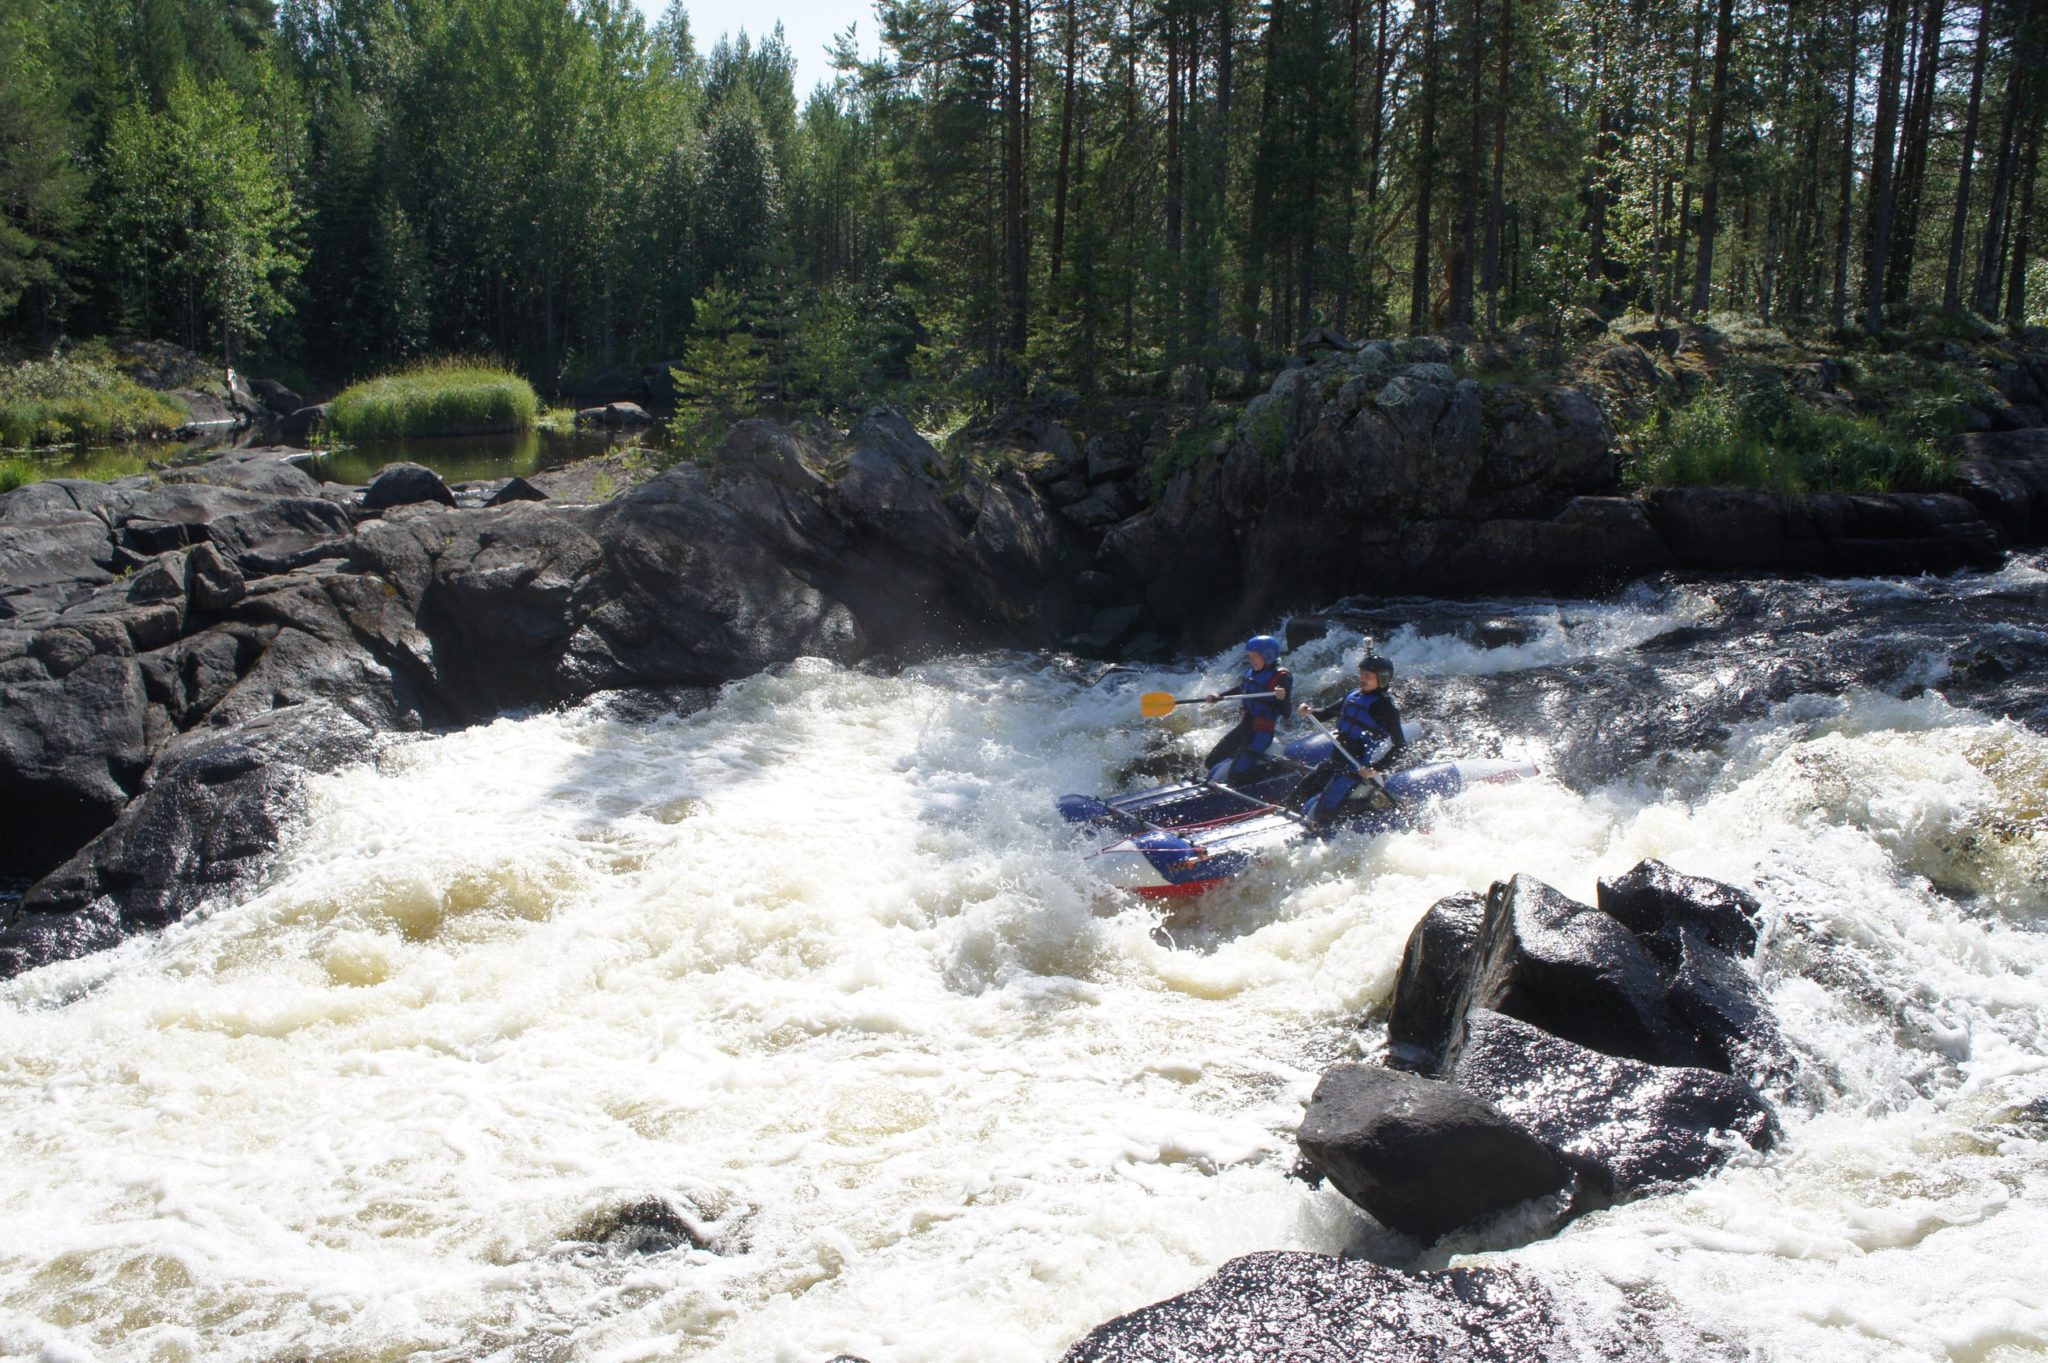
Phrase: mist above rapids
[819,966]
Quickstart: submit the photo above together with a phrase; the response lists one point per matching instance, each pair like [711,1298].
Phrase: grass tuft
[67,399]
[449,396]
[1752,431]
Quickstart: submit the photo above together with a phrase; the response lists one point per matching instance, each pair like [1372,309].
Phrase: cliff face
[1381,469]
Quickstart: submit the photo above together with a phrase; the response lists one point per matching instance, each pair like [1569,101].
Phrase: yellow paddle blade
[1155,704]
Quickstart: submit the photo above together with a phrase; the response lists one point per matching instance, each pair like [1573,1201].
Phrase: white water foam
[820,968]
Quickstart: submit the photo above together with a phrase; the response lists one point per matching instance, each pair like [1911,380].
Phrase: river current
[816,965]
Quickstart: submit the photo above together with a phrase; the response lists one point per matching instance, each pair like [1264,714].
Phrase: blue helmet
[1265,645]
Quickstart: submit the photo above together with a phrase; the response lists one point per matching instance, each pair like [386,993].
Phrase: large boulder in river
[1626,1128]
[1657,903]
[405,485]
[1285,1307]
[1433,990]
[1424,1157]
[1575,972]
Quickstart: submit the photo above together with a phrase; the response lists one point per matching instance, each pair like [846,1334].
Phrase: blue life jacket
[1362,723]
[1265,714]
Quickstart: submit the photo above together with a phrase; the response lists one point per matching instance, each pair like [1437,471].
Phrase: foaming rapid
[819,967]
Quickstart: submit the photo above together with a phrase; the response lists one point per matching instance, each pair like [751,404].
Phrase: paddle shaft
[1356,765]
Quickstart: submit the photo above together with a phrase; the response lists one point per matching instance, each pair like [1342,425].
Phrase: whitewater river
[818,967]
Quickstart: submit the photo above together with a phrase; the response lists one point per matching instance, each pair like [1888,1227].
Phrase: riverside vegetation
[999,198]
[68,398]
[451,396]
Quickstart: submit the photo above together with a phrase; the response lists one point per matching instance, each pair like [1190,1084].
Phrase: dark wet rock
[1626,1128]
[208,825]
[280,400]
[1655,903]
[615,414]
[1716,528]
[303,422]
[1577,973]
[405,485]
[515,490]
[1107,504]
[1725,1008]
[1434,986]
[1422,1156]
[1096,588]
[649,1226]
[1314,1308]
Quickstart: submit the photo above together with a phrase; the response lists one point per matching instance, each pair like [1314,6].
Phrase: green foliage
[1190,447]
[722,370]
[66,399]
[39,181]
[1753,431]
[448,396]
[201,219]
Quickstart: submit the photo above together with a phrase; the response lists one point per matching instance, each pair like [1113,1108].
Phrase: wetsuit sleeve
[1328,712]
[1390,718]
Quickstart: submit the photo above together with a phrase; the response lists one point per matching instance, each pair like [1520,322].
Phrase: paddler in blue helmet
[1368,730]
[1266,688]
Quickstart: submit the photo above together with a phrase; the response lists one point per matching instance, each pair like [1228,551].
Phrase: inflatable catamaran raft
[1187,837]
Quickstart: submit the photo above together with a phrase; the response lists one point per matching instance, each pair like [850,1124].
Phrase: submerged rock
[1424,1157]
[1625,1127]
[1313,1308]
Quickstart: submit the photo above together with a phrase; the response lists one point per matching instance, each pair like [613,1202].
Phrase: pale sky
[808,24]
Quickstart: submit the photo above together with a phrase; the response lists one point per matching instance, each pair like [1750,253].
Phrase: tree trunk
[1471,189]
[1353,45]
[1418,280]
[2023,231]
[2019,80]
[1841,308]
[1372,177]
[1952,286]
[1060,178]
[1878,234]
[1913,155]
[1015,246]
[1692,124]
[1500,155]
[1710,195]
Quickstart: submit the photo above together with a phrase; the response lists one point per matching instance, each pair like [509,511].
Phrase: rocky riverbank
[177,651]
[174,648]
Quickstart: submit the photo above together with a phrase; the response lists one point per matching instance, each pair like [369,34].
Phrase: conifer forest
[1078,191]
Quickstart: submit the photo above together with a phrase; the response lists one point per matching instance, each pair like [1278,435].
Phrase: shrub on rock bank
[434,397]
[68,398]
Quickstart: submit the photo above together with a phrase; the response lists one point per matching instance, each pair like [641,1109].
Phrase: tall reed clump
[1754,431]
[67,399]
[450,396]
